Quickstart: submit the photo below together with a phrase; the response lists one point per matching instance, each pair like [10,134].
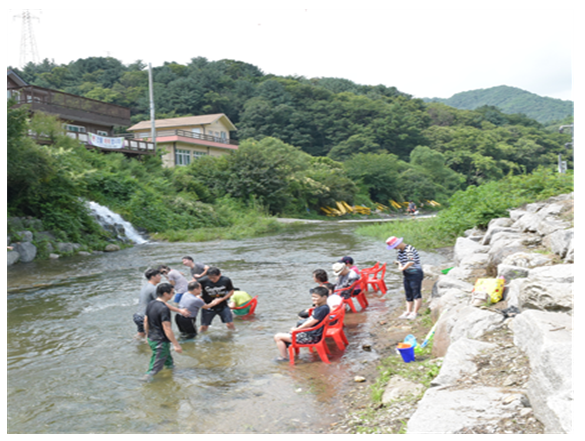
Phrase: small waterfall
[114,222]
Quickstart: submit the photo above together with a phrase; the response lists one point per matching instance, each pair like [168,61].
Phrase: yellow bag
[491,289]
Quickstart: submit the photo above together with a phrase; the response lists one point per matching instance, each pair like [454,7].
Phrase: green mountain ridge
[511,100]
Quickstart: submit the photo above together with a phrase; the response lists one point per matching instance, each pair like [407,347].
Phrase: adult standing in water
[176,279]
[147,295]
[215,286]
[197,269]
[408,261]
[160,336]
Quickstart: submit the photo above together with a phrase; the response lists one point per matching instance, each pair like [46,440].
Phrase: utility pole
[152,123]
[28,45]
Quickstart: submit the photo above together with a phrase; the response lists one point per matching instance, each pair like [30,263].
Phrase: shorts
[207,316]
[307,338]
[177,297]
[187,326]
[139,320]
[413,284]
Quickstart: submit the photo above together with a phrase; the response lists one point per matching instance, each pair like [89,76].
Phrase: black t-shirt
[157,312]
[211,291]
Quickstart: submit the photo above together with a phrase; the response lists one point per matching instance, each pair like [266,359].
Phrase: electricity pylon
[28,45]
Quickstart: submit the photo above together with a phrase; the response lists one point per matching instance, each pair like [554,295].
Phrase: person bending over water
[192,302]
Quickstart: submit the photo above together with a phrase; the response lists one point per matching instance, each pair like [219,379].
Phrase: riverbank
[492,368]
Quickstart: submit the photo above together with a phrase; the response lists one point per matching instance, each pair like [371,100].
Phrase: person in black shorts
[157,325]
[321,312]
[215,287]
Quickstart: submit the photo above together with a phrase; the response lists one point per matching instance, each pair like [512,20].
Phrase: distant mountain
[511,100]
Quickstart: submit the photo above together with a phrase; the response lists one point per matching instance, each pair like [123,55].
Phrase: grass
[421,233]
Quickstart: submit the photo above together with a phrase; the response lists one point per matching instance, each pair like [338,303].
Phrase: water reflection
[74,367]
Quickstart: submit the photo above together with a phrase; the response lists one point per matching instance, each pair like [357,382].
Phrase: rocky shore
[502,368]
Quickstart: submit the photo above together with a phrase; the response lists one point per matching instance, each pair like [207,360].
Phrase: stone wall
[533,249]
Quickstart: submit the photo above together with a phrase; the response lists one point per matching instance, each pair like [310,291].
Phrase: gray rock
[546,295]
[53,256]
[445,282]
[510,272]
[465,247]
[399,388]
[459,360]
[546,338]
[12,258]
[473,323]
[26,250]
[112,247]
[526,259]
[560,241]
[443,410]
[554,273]
[502,245]
[26,236]
[66,247]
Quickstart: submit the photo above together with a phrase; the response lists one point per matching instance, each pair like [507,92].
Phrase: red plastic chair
[361,298]
[252,303]
[335,329]
[320,346]
[370,276]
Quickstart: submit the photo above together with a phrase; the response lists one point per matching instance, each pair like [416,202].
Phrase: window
[197,155]
[182,157]
[102,133]
[73,128]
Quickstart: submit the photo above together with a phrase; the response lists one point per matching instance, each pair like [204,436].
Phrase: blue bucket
[407,353]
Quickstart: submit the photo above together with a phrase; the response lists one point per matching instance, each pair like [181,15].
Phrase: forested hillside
[304,144]
[511,100]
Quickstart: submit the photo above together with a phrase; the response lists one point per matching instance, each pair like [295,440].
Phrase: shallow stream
[74,367]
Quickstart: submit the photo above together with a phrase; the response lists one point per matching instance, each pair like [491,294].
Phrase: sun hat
[392,242]
[338,267]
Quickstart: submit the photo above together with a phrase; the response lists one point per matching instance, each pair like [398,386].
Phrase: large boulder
[26,251]
[459,360]
[444,410]
[13,257]
[548,288]
[546,338]
[473,323]
[465,247]
[560,241]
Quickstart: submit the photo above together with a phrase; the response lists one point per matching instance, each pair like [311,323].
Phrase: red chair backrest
[350,288]
[251,303]
[324,324]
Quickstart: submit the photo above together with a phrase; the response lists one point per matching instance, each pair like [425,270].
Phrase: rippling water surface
[74,366]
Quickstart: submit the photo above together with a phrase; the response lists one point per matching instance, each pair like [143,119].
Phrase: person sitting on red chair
[319,297]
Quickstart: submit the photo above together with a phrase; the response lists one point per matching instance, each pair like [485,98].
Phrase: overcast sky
[423,48]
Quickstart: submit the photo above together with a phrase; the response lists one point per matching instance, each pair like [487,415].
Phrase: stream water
[73,365]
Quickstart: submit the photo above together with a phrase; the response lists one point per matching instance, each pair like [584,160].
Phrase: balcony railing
[189,134]
[70,106]
[129,145]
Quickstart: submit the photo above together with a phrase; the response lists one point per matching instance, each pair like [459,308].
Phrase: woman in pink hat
[408,262]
